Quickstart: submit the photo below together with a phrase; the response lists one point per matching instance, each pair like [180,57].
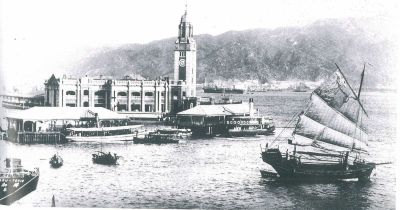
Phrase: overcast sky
[39,37]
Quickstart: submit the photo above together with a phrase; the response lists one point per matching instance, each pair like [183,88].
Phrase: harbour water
[209,173]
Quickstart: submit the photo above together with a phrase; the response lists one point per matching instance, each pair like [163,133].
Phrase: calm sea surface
[208,173]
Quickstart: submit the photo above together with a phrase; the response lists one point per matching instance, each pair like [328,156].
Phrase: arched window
[70,93]
[148,94]
[86,104]
[135,93]
[121,93]
[85,92]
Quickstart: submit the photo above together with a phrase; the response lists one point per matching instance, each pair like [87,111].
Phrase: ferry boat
[180,132]
[329,138]
[102,134]
[16,182]
[250,126]
[163,136]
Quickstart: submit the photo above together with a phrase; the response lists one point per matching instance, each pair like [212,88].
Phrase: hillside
[291,53]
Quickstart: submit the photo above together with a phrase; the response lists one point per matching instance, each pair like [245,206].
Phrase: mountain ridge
[286,53]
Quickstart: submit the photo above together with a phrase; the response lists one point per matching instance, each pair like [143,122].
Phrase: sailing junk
[327,130]
[16,182]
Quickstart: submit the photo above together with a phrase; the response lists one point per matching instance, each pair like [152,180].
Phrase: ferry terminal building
[130,95]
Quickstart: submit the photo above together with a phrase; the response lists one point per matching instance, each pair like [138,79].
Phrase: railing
[40,137]
[121,82]
[136,97]
[69,81]
[179,82]
[99,81]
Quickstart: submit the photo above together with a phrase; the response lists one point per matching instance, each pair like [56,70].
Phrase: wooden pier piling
[39,138]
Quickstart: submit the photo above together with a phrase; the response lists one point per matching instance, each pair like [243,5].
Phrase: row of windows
[86,92]
[138,94]
[102,93]
[137,107]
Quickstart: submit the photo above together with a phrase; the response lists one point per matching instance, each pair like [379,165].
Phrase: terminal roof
[64,113]
[217,110]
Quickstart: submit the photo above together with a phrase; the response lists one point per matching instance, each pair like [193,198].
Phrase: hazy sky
[39,37]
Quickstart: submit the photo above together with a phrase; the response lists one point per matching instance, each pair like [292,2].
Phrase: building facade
[129,95]
[123,95]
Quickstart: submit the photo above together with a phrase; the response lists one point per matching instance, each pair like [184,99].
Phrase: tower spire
[185,7]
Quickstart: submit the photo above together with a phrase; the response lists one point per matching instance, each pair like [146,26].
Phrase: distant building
[131,95]
[114,94]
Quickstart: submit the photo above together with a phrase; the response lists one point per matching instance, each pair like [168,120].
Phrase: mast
[361,83]
[357,99]
[330,121]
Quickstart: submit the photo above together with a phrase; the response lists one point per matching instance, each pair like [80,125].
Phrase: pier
[232,119]
[47,125]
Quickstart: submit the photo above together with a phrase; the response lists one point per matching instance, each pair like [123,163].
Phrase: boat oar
[383,163]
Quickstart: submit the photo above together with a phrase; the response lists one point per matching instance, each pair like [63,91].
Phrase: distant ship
[223,90]
[16,182]
[301,87]
[329,137]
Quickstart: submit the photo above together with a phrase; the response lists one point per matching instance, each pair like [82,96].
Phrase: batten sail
[320,111]
[311,129]
[301,140]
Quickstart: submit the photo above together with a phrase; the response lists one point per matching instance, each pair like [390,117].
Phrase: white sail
[320,111]
[313,130]
[338,95]
[301,140]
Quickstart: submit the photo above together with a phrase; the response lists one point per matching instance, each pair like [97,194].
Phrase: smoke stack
[251,106]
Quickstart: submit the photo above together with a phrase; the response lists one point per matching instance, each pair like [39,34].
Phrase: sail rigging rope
[290,122]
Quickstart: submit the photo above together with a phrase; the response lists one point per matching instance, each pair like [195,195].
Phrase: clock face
[182,62]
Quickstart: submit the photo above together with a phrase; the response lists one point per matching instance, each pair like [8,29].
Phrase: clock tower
[185,57]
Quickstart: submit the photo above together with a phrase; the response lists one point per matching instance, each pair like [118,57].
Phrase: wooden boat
[16,182]
[105,158]
[56,161]
[329,138]
[102,134]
